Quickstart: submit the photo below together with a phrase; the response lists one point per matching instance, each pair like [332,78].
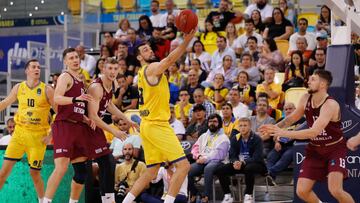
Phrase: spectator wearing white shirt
[124,26]
[198,52]
[175,124]
[264,8]
[309,36]
[240,110]
[156,16]
[218,55]
[87,62]
[241,42]
[227,70]
[170,10]
[10,127]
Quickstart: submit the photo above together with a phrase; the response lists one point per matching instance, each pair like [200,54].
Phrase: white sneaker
[227,199]
[248,199]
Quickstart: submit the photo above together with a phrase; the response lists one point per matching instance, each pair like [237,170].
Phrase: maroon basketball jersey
[332,131]
[72,111]
[105,100]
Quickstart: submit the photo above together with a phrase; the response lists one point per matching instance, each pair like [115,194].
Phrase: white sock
[103,199]
[73,201]
[47,200]
[110,197]
[40,200]
[169,199]
[129,198]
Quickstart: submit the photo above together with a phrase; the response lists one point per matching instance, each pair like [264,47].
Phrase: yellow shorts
[160,143]
[29,142]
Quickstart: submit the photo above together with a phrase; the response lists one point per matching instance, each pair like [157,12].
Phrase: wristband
[74,100]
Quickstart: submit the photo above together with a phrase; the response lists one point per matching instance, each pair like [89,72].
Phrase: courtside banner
[25,22]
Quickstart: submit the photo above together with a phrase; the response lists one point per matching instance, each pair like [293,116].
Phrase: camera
[123,185]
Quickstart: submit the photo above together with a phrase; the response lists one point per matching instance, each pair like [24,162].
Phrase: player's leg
[38,182]
[61,166]
[106,177]
[182,170]
[35,156]
[335,184]
[78,181]
[6,170]
[304,190]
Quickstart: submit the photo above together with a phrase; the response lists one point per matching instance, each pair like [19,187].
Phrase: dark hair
[246,54]
[324,50]
[155,1]
[301,65]
[322,19]
[198,42]
[97,70]
[281,13]
[227,104]
[29,61]
[325,75]
[110,33]
[223,59]
[272,44]
[198,61]
[137,50]
[263,94]
[140,29]
[68,50]
[252,38]
[245,73]
[120,76]
[10,120]
[123,43]
[250,20]
[159,28]
[206,31]
[218,117]
[304,19]
[184,90]
[222,37]
[109,50]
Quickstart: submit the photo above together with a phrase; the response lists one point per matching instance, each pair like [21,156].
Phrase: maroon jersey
[106,98]
[332,131]
[75,111]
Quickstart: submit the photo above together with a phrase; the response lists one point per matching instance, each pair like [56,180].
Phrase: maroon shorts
[97,144]
[320,161]
[69,139]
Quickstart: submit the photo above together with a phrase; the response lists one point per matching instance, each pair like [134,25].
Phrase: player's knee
[302,192]
[335,190]
[35,174]
[184,166]
[80,172]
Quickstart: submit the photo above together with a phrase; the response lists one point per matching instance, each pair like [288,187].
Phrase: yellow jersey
[34,108]
[153,99]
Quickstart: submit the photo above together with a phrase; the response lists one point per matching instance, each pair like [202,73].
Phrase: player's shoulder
[331,103]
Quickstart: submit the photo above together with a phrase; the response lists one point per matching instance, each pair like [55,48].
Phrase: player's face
[314,84]
[244,127]
[111,71]
[72,61]
[33,70]
[147,54]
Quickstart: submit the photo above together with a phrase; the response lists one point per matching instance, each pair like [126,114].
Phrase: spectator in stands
[8,131]
[105,52]
[128,96]
[231,35]
[239,109]
[280,27]
[357,57]
[322,42]
[282,155]
[268,86]
[198,52]
[156,16]
[124,26]
[132,41]
[289,13]
[310,37]
[124,70]
[218,55]
[295,72]
[276,114]
[165,173]
[192,83]
[123,53]
[199,98]
[357,97]
[209,151]
[264,8]
[111,43]
[55,77]
[270,56]
[301,45]
[228,71]
[176,125]
[209,37]
[160,46]
[87,62]
[320,61]
[182,108]
[195,64]
[216,93]
[174,89]
[117,144]
[241,42]
[99,67]
[246,150]
[247,65]
[253,48]
[170,10]
[198,124]
[145,28]
[259,25]
[324,21]
[170,30]
[223,16]
[174,75]
[127,173]
[262,118]
[229,120]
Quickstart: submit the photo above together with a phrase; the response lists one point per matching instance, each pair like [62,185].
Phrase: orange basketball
[186,21]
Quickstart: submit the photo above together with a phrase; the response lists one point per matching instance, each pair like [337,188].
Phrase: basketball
[186,21]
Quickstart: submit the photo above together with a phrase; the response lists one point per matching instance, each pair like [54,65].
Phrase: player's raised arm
[296,115]
[11,98]
[115,111]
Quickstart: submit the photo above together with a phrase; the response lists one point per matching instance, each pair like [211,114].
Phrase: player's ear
[139,57]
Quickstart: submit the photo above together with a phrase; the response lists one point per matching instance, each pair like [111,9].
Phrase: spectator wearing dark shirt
[170,30]
[222,17]
[129,74]
[280,27]
[132,41]
[192,83]
[253,48]
[145,27]
[111,42]
[198,125]
[123,53]
[320,58]
[127,96]
[160,46]
[259,25]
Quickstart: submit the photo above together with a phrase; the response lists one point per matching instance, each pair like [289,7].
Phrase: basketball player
[32,125]
[69,129]
[353,142]
[326,151]
[101,91]
[158,138]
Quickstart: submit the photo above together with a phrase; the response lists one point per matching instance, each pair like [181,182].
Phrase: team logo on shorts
[332,162]
[38,91]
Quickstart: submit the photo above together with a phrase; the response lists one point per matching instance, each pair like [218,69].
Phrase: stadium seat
[93,2]
[109,6]
[181,4]
[294,94]
[279,78]
[144,5]
[311,17]
[127,5]
[283,46]
[199,3]
[238,3]
[74,6]
[128,113]
[162,4]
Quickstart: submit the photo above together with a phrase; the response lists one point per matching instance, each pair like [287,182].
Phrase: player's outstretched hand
[352,144]
[132,124]
[121,135]
[189,36]
[85,97]
[271,130]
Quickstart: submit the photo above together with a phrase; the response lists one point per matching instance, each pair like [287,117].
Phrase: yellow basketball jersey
[153,99]
[33,110]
